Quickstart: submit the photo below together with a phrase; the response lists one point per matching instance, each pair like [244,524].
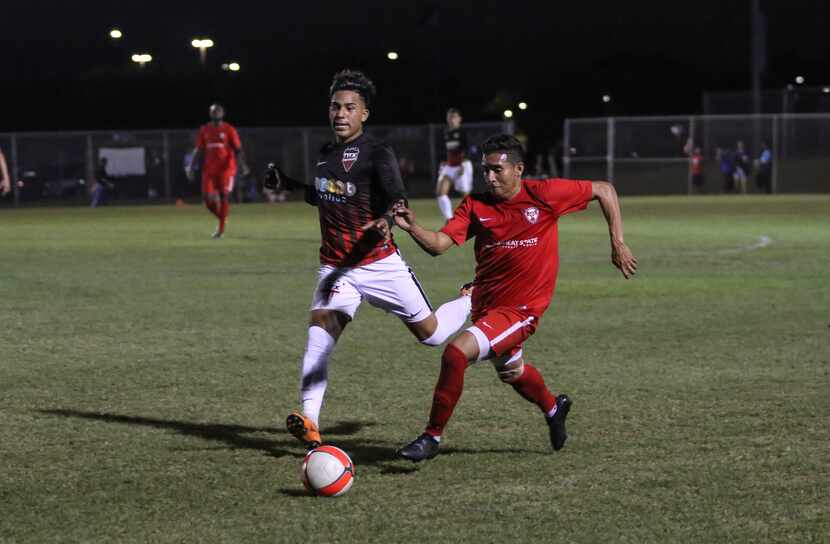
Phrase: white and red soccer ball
[327,471]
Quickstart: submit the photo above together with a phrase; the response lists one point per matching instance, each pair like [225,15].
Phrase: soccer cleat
[303,429]
[423,447]
[467,289]
[556,423]
[217,235]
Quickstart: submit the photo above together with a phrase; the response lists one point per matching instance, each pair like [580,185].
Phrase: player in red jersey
[517,260]
[357,183]
[220,144]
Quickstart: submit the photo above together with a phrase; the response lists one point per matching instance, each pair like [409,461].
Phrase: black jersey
[455,140]
[354,183]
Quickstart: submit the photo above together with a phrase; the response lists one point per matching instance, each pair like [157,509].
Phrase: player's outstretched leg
[450,316]
[313,382]
[442,191]
[447,393]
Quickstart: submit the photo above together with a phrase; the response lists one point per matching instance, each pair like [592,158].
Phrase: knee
[511,371]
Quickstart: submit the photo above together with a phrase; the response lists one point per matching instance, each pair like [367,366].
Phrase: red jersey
[517,242]
[696,164]
[220,143]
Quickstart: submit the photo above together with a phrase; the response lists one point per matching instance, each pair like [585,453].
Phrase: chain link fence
[652,155]
[146,166]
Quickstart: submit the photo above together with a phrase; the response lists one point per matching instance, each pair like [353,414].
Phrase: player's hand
[381,226]
[404,218]
[623,259]
[246,170]
[188,171]
[273,181]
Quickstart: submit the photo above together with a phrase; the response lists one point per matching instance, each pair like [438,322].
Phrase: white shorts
[388,284]
[461,176]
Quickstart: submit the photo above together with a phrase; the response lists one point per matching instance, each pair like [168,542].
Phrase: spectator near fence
[695,165]
[726,160]
[103,184]
[741,167]
[763,165]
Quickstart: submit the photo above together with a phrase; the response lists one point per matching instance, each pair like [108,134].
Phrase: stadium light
[202,45]
[508,114]
[141,58]
[825,90]
[116,34]
[523,106]
[799,79]
[606,98]
[392,55]
[231,66]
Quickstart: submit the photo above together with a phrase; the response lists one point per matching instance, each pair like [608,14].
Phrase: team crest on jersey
[350,157]
[222,135]
[532,215]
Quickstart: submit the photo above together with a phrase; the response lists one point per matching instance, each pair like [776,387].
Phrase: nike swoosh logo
[321,163]
[483,219]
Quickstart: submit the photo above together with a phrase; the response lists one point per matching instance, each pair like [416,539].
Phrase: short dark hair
[453,110]
[504,143]
[353,80]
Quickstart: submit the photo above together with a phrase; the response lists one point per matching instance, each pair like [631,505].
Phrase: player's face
[504,178]
[347,113]
[453,120]
[217,113]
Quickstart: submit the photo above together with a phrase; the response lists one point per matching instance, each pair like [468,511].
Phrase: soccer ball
[327,471]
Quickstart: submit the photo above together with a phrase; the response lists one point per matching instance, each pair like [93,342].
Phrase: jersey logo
[222,135]
[350,157]
[532,215]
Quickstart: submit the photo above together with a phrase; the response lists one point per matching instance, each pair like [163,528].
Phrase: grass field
[145,372]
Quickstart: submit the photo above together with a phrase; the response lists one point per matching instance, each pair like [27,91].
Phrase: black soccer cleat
[556,423]
[423,447]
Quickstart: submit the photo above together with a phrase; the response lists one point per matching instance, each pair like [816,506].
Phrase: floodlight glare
[606,98]
[233,67]
[508,114]
[799,79]
[522,106]
[115,34]
[392,55]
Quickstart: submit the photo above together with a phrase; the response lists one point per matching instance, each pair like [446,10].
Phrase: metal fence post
[566,151]
[15,172]
[776,154]
[609,153]
[90,163]
[691,151]
[165,156]
[433,153]
[306,156]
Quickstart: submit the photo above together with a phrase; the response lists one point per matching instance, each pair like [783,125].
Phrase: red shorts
[505,328]
[217,182]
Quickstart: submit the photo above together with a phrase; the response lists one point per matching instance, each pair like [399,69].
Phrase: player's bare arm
[433,242]
[5,183]
[621,255]
[194,160]
[243,162]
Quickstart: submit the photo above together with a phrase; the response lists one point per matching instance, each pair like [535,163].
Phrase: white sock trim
[445,205]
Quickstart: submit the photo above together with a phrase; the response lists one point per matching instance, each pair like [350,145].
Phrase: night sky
[61,70]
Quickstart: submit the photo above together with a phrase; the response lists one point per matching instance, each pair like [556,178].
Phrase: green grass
[145,371]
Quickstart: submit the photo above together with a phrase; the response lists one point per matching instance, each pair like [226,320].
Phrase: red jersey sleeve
[233,138]
[200,139]
[566,196]
[459,227]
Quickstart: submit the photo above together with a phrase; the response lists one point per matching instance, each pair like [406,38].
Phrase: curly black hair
[504,143]
[353,80]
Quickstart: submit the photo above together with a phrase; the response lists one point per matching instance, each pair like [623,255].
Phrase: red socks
[213,207]
[447,390]
[224,209]
[531,386]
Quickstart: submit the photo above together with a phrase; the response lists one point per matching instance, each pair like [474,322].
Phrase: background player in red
[220,144]
[517,260]
[456,171]
[357,183]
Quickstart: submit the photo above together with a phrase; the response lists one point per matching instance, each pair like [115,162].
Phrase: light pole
[202,45]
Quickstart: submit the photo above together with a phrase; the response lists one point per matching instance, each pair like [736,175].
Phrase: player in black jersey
[357,184]
[456,171]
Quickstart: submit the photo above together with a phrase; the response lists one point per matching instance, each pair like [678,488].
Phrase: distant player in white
[457,170]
